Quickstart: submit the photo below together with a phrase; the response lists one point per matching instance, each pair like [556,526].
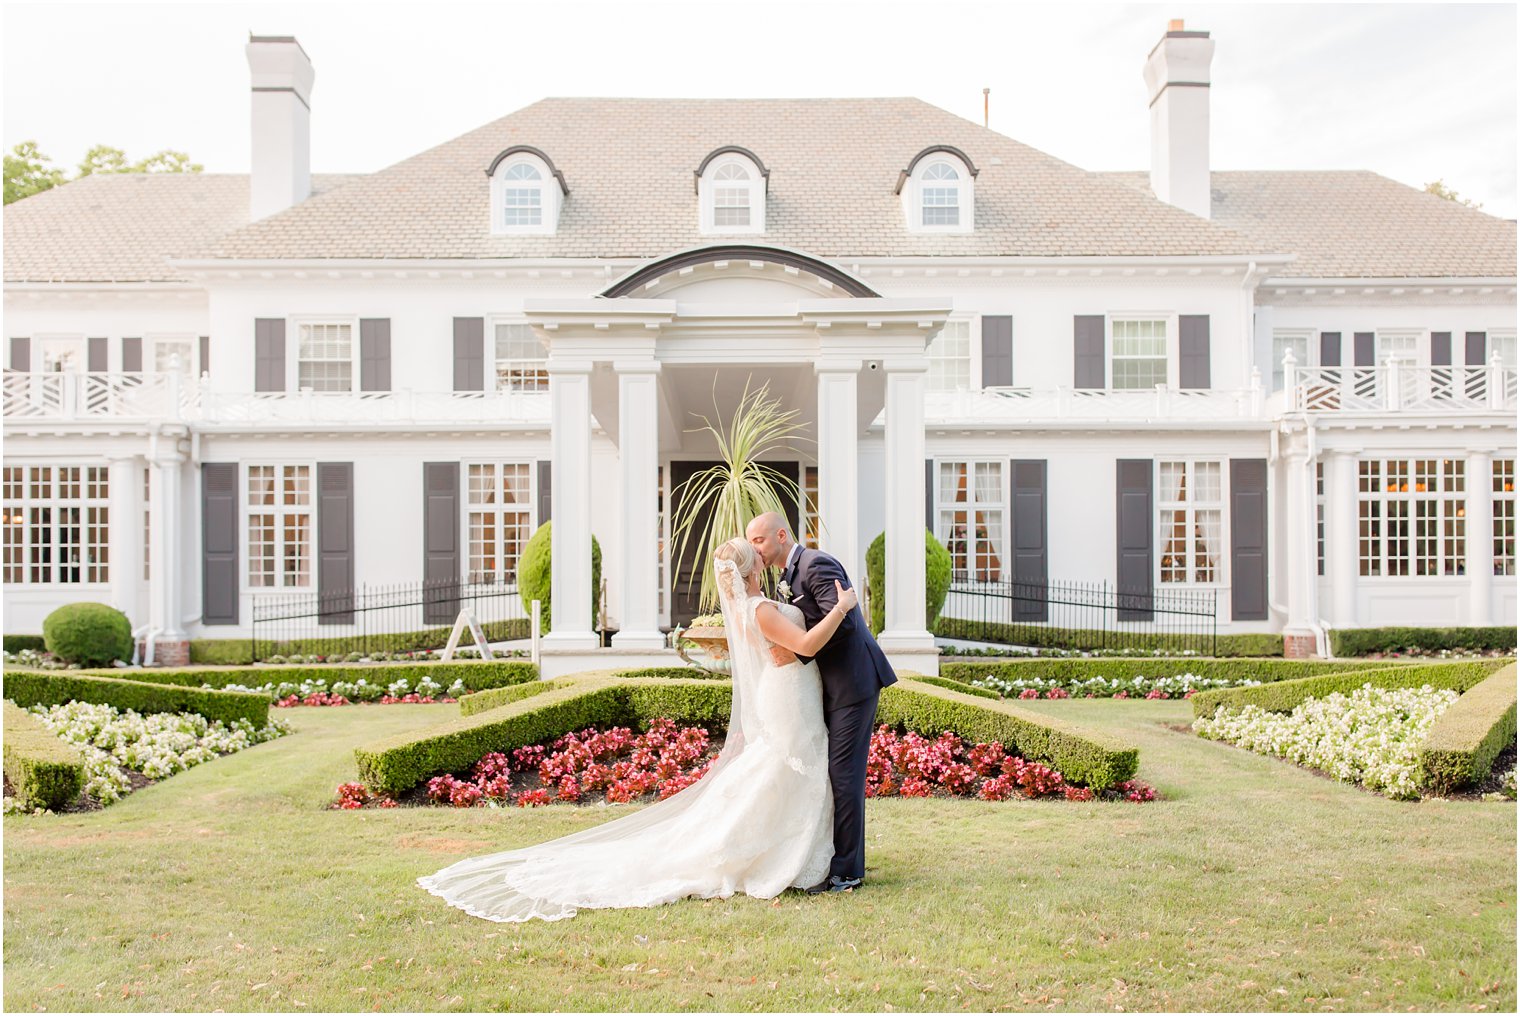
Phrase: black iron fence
[1081,615]
[382,618]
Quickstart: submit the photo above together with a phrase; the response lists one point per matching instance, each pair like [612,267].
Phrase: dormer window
[937,191]
[731,185]
[526,193]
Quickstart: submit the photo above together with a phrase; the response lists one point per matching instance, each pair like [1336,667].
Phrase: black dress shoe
[834,884]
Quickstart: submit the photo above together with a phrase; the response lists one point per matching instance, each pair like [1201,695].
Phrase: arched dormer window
[526,193]
[731,185]
[937,191]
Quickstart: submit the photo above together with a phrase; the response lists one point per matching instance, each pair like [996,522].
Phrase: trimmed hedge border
[477,675]
[45,771]
[960,686]
[16,643]
[1121,667]
[398,763]
[1361,641]
[51,688]
[1284,696]
[491,698]
[1096,638]
[1461,747]
[239,652]
[676,673]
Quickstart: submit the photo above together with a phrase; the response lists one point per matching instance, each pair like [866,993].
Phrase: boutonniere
[784,591]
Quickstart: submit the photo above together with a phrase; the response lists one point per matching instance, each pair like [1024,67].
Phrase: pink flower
[916,788]
[1058,693]
[533,798]
[1029,693]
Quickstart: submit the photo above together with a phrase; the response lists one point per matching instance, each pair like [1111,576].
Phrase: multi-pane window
[522,362]
[1319,516]
[1400,347]
[1502,344]
[326,357]
[1139,353]
[165,351]
[1504,516]
[279,527]
[731,190]
[941,194]
[949,357]
[499,501]
[522,197]
[1282,343]
[969,515]
[810,520]
[1190,504]
[57,524]
[1411,516]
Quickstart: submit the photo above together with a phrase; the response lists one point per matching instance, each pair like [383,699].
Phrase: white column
[570,576]
[1342,532]
[166,595]
[906,630]
[1479,532]
[1298,633]
[638,461]
[839,462]
[125,536]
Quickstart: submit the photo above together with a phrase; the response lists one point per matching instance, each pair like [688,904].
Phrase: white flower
[784,591]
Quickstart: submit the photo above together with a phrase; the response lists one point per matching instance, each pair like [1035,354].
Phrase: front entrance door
[686,575]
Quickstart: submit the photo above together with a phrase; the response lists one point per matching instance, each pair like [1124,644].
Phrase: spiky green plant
[739,486]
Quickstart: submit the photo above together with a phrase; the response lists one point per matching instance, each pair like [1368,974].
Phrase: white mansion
[1294,388]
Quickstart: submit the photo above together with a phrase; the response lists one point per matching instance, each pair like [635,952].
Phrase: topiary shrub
[534,573]
[936,580]
[91,634]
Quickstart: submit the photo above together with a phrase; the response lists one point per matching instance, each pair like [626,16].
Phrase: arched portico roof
[636,280]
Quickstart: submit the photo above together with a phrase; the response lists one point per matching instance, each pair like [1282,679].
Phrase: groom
[853,669]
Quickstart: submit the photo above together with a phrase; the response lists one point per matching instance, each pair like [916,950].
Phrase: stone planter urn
[712,647]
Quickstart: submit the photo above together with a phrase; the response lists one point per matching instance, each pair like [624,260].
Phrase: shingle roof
[629,163]
[123,227]
[1357,224]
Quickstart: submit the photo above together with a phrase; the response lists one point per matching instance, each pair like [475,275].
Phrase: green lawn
[1254,885]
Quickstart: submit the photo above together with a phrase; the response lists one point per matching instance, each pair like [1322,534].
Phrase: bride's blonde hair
[739,551]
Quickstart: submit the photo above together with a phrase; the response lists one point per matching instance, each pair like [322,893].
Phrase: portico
[683,335]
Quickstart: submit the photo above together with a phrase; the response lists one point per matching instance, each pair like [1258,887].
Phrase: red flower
[916,788]
[999,789]
[987,758]
[1058,693]
[1121,694]
[533,798]
[1079,793]
[1029,693]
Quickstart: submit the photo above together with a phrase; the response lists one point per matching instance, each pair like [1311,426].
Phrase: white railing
[118,396]
[1100,404]
[1396,387]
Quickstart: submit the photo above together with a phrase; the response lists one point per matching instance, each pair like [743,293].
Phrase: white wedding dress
[760,821]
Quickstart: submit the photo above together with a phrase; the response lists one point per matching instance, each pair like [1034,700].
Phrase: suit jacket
[852,665]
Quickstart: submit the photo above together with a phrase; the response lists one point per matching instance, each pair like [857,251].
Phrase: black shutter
[1477,348]
[1193,347]
[1088,365]
[375,354]
[269,355]
[1363,349]
[469,354]
[997,350]
[1329,349]
[205,367]
[1248,539]
[131,355]
[219,543]
[440,542]
[545,489]
[1030,563]
[21,354]
[1440,349]
[1135,525]
[96,356]
[335,542]
[929,494]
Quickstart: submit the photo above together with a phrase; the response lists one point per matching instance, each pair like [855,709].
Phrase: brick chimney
[1177,80]
[281,163]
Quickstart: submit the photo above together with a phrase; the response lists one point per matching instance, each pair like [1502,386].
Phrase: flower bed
[317,692]
[125,750]
[1178,686]
[1371,736]
[616,766]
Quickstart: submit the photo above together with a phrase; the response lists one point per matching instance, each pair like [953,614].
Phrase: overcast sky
[1412,91]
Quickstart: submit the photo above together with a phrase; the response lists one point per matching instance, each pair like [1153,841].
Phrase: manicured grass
[1254,885]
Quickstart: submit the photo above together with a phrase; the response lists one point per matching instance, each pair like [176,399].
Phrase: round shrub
[91,634]
[936,580]
[534,572]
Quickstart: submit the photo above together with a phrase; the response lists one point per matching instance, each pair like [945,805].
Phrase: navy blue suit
[854,670]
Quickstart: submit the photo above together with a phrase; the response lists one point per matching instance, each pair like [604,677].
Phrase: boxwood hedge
[1120,667]
[399,763]
[477,675]
[1461,746]
[1361,641]
[45,771]
[16,643]
[54,687]
[1283,696]
[480,701]
[1096,638]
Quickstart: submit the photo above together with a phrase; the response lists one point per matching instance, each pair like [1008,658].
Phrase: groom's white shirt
[796,550]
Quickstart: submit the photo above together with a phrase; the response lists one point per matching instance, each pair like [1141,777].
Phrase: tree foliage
[28,171]
[1440,190]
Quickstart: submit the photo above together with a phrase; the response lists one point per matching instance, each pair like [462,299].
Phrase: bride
[759,822]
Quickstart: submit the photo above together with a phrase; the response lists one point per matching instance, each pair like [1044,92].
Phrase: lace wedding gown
[760,821]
